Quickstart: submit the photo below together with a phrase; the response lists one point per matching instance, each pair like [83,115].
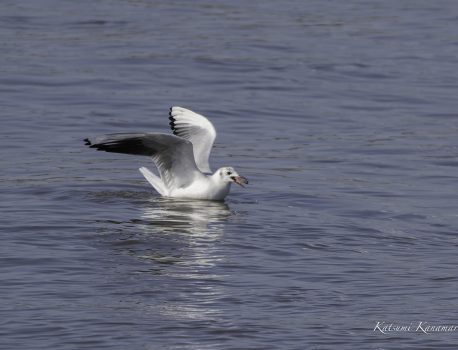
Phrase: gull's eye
[228,173]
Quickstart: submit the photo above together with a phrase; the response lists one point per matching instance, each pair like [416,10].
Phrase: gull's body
[203,187]
[181,159]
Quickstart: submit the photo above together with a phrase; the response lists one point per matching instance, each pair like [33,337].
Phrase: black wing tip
[88,142]
[172,122]
[102,147]
[172,126]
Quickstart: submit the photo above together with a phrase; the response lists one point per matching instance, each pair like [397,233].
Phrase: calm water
[343,115]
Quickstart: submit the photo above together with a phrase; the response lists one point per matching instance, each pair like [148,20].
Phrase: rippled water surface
[342,114]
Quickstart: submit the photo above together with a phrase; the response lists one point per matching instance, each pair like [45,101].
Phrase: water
[343,116]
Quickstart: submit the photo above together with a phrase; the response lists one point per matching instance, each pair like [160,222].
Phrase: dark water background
[343,115]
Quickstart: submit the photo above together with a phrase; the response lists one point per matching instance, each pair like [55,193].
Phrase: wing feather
[198,130]
[172,155]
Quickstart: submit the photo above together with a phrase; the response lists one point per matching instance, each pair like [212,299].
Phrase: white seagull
[181,159]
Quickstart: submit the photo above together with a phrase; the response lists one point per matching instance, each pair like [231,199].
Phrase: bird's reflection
[176,246]
[195,218]
[180,232]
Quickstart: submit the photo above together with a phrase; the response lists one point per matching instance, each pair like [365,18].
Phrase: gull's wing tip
[172,122]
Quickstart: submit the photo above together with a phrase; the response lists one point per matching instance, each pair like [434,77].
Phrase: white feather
[197,129]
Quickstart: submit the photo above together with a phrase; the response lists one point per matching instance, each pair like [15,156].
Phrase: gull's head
[228,174]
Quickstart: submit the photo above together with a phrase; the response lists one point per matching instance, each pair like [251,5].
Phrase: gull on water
[181,159]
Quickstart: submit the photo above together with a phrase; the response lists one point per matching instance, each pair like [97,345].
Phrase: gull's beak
[240,180]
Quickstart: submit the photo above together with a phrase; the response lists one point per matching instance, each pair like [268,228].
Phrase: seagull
[181,158]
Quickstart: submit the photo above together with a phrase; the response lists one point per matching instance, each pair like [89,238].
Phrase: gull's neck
[219,187]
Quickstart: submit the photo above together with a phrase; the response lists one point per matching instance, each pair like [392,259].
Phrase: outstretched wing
[197,129]
[172,155]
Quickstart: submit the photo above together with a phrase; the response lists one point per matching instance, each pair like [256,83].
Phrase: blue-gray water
[342,114]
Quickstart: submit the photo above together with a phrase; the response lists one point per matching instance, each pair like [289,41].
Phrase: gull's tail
[155,181]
